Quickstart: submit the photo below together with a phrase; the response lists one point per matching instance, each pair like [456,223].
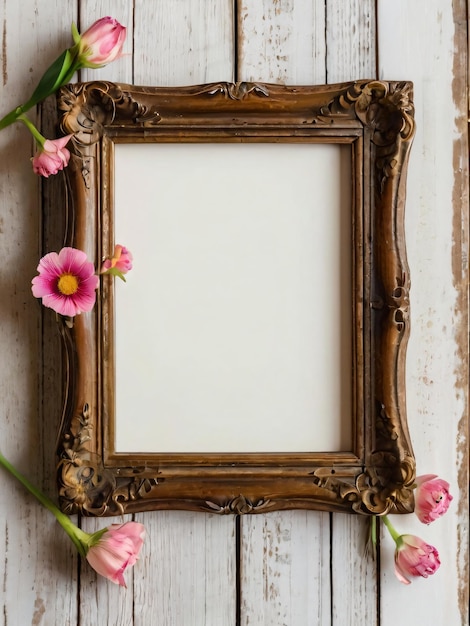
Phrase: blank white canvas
[233,330]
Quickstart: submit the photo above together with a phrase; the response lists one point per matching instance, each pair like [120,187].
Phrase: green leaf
[115,272]
[53,78]
[75,34]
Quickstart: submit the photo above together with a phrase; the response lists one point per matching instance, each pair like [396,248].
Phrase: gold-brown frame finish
[375,118]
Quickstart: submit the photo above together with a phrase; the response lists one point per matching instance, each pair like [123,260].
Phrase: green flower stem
[58,74]
[40,140]
[11,117]
[82,540]
[393,532]
[373,531]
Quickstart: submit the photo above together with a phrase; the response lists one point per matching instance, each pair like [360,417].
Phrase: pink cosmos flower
[51,157]
[117,549]
[101,43]
[414,557]
[119,264]
[432,498]
[66,282]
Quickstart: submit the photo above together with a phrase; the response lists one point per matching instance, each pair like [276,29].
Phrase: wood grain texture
[354,573]
[285,569]
[282,42]
[432,53]
[183,43]
[187,575]
[351,40]
[37,563]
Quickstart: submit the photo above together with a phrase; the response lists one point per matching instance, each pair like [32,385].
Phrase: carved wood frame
[376,119]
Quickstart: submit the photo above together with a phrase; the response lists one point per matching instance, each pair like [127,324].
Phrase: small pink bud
[414,557]
[102,42]
[52,157]
[121,261]
[117,550]
[432,498]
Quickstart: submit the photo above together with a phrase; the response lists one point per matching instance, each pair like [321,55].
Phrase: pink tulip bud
[432,498]
[116,550]
[52,157]
[101,43]
[120,261]
[414,557]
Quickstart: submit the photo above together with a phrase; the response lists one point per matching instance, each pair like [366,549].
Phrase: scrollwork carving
[387,110]
[239,505]
[238,91]
[88,107]
[85,486]
[374,491]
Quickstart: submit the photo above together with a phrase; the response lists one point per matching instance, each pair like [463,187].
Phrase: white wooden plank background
[296,567]
[38,567]
[432,54]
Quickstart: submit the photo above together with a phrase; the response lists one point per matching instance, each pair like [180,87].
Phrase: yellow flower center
[67,284]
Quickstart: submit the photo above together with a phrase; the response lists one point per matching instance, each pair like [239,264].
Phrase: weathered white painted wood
[282,42]
[351,36]
[37,561]
[188,572]
[183,43]
[429,47]
[353,571]
[350,40]
[285,569]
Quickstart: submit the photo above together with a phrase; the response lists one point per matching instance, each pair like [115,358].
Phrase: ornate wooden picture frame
[372,121]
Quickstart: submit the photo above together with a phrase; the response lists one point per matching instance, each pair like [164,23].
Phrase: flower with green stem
[413,556]
[110,551]
[52,155]
[100,44]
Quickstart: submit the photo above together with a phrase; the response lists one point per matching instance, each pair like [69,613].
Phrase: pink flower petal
[432,498]
[117,550]
[46,286]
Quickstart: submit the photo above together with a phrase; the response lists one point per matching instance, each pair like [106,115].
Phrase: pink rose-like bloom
[414,557]
[121,260]
[52,157]
[66,282]
[102,42]
[432,498]
[117,550]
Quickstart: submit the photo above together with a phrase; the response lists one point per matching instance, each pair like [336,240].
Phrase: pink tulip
[101,43]
[414,557]
[120,261]
[52,156]
[117,549]
[110,551]
[432,498]
[66,282]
